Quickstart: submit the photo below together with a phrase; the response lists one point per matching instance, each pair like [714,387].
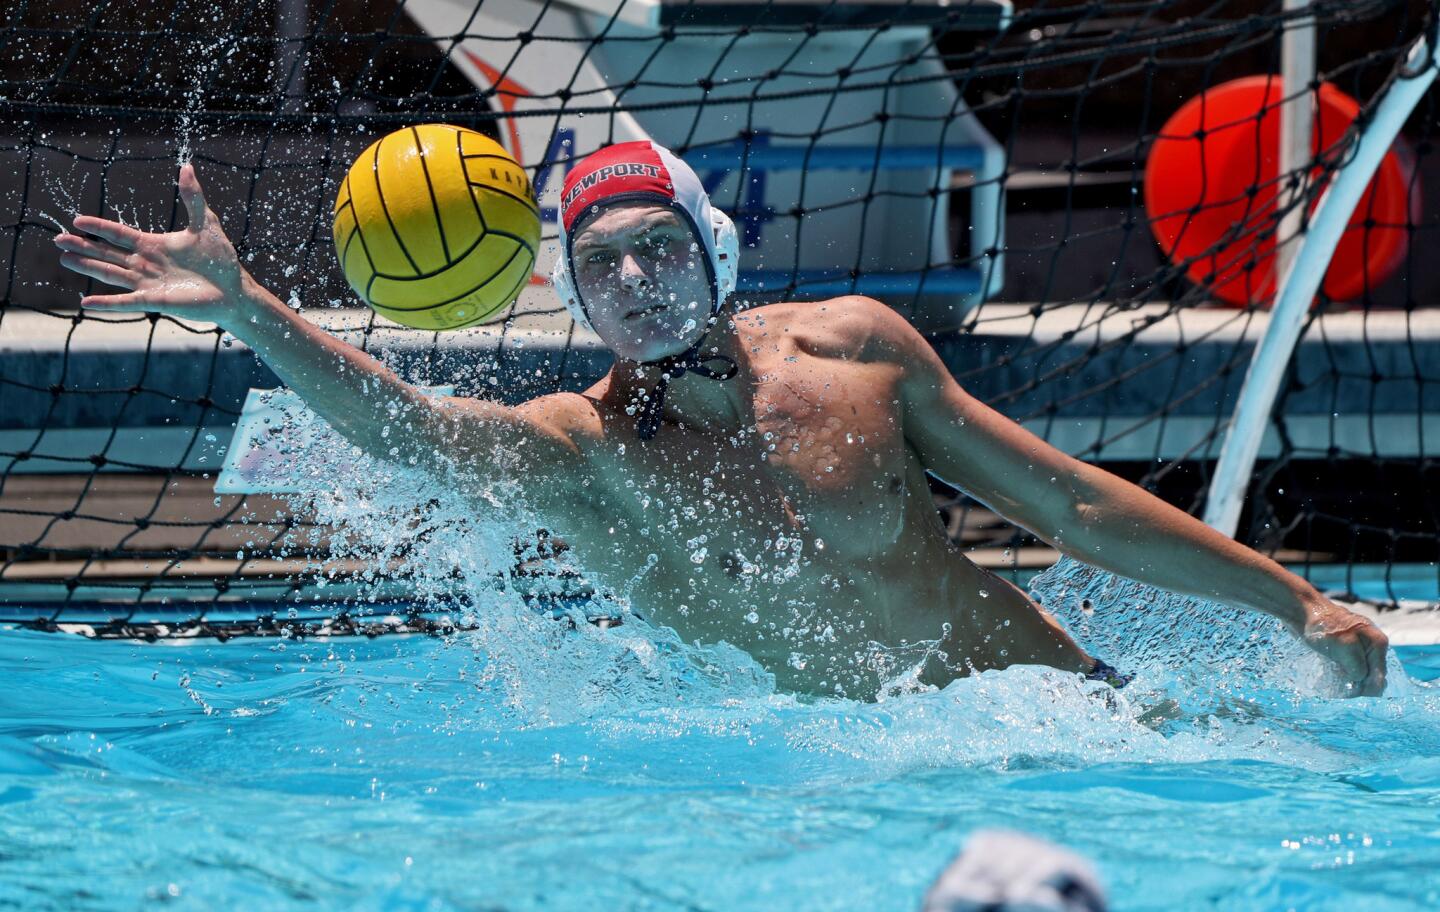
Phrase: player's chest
[833,437]
[821,454]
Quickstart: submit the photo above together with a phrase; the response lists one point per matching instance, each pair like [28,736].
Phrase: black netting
[110,425]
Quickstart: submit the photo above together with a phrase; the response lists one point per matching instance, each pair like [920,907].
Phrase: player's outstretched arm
[1101,519]
[194,274]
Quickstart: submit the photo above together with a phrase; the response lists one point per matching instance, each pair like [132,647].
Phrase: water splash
[1189,648]
[1212,683]
[536,664]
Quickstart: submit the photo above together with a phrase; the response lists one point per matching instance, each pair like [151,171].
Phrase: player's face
[640,272]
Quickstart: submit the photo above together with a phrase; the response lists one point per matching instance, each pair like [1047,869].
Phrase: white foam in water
[447,547]
[1185,644]
[1211,682]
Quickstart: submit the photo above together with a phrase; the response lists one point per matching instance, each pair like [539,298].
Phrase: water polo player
[760,476]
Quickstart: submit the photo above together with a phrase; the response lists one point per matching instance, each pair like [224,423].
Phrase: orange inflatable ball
[1218,147]
[436,227]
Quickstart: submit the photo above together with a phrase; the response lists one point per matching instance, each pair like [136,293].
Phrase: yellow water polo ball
[436,227]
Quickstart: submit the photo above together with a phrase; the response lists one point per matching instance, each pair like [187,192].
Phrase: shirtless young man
[772,492]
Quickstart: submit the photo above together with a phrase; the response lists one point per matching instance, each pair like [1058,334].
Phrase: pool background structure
[525,765]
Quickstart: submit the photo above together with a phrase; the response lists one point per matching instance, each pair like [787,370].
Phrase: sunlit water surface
[525,765]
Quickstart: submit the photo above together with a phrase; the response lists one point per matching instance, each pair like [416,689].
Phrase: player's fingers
[120,303]
[74,243]
[122,236]
[96,269]
[1363,666]
[192,196]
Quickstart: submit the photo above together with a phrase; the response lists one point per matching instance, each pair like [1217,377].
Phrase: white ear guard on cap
[727,256]
[725,263]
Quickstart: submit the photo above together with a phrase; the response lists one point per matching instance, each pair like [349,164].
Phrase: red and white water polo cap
[643,171]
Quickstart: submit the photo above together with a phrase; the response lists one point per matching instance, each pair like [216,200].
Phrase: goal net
[1083,205]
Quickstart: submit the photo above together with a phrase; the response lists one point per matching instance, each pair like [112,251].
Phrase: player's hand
[193,273]
[1352,643]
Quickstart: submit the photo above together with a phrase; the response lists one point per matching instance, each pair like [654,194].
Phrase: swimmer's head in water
[644,259]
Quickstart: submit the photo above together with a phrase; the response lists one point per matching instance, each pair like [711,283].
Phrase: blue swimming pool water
[520,767]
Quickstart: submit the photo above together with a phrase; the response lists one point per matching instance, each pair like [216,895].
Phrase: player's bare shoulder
[548,433]
[569,420]
[849,328]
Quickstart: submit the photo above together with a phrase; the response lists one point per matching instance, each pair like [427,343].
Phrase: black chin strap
[672,368]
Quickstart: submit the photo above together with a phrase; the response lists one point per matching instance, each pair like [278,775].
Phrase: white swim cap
[644,170]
